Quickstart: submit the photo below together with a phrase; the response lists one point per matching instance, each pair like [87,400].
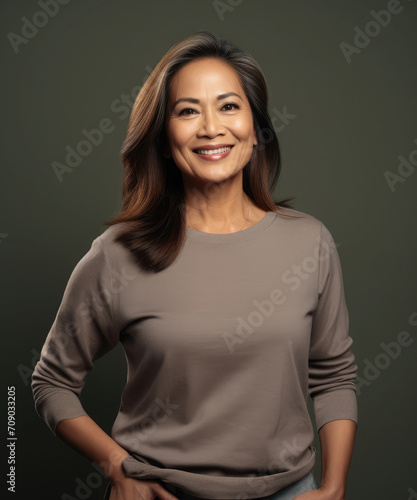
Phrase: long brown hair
[153,203]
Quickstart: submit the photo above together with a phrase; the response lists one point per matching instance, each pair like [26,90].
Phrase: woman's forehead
[203,78]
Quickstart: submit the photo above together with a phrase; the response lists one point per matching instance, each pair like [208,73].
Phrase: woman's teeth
[213,151]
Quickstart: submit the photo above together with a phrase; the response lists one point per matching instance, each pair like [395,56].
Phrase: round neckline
[243,235]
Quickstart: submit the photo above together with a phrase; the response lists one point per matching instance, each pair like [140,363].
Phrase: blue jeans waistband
[306,483]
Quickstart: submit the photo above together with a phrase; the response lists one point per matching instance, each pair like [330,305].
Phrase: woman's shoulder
[304,227]
[300,231]
[109,233]
[108,239]
[115,253]
[297,219]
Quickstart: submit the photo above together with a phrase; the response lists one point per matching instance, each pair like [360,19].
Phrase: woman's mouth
[213,154]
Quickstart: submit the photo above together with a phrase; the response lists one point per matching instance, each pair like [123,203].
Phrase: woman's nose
[210,123]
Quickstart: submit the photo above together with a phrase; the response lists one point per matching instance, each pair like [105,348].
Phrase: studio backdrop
[342,80]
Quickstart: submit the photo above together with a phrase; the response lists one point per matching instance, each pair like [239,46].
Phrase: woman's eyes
[191,109]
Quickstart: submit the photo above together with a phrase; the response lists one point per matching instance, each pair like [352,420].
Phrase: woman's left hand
[320,494]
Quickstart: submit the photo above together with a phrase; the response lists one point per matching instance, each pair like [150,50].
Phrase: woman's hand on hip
[128,488]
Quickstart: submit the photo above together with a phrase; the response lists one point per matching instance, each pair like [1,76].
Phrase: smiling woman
[204,95]
[191,278]
[229,127]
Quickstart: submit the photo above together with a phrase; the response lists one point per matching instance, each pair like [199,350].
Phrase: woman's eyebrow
[197,101]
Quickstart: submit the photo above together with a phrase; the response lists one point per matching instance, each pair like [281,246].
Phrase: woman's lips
[213,156]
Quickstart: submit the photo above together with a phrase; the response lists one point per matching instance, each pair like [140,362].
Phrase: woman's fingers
[135,489]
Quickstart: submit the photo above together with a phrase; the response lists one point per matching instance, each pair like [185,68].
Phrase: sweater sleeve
[83,331]
[332,368]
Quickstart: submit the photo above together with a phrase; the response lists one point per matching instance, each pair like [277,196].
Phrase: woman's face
[208,107]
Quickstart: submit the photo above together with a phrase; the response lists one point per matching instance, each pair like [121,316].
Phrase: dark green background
[352,122]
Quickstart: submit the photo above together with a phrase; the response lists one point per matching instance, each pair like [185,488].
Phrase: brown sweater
[223,348]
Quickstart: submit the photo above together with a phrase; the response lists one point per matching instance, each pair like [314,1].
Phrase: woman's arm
[86,437]
[336,440]
[332,373]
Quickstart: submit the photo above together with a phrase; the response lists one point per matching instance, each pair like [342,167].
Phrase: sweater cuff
[59,405]
[338,404]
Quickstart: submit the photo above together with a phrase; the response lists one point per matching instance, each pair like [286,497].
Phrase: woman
[229,306]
